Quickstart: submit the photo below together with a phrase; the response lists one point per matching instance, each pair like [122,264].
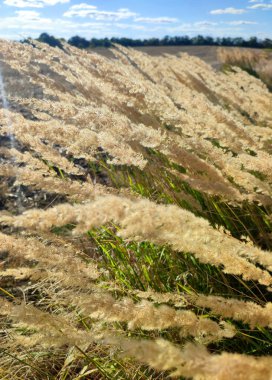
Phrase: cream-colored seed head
[90,127]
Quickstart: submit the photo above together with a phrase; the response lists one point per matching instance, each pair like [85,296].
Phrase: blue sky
[135,18]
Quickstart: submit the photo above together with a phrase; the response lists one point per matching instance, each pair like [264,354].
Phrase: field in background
[207,53]
[135,217]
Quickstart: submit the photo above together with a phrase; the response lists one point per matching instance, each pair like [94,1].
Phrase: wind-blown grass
[136,227]
[256,62]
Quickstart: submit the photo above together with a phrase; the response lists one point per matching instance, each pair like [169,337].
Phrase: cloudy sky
[135,18]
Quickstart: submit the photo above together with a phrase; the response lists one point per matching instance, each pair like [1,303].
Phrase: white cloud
[156,20]
[242,22]
[231,11]
[205,24]
[89,20]
[31,20]
[91,11]
[261,6]
[83,6]
[33,3]
[84,10]
[130,26]
[28,15]
[195,27]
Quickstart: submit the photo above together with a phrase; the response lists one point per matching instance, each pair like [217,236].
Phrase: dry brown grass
[136,228]
[256,62]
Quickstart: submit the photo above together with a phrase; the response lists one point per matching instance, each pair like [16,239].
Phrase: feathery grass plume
[49,257]
[55,330]
[14,156]
[247,311]
[143,220]
[147,316]
[49,182]
[152,157]
[190,71]
[195,361]
[91,115]
[45,151]
[255,62]
[188,362]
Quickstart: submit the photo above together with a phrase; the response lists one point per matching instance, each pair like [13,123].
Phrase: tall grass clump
[255,62]
[135,217]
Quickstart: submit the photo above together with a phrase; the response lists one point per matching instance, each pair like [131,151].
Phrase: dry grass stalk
[86,142]
[256,62]
[143,220]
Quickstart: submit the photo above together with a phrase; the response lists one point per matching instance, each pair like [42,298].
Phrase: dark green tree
[50,40]
[79,42]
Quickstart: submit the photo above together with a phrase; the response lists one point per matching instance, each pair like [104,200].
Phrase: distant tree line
[83,43]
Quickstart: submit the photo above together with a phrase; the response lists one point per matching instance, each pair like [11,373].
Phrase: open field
[207,53]
[135,216]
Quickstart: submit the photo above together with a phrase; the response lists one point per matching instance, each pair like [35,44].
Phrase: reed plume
[135,216]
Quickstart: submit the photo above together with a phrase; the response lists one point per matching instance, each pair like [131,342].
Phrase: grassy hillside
[136,217]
